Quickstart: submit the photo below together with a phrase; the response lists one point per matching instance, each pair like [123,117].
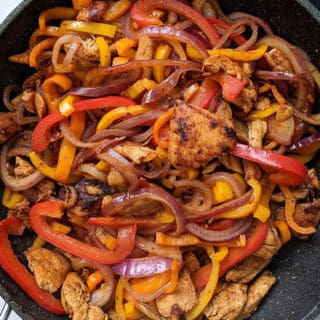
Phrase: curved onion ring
[152,193]
[90,169]
[142,137]
[7,93]
[238,227]
[16,184]
[205,191]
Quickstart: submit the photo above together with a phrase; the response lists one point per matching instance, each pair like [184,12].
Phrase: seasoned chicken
[191,261]
[227,303]
[197,136]
[74,293]
[257,291]
[41,191]
[145,51]
[49,267]
[134,151]
[248,96]
[281,132]
[278,61]
[254,264]
[89,312]
[8,125]
[251,170]
[22,168]
[115,178]
[184,297]
[257,130]
[94,12]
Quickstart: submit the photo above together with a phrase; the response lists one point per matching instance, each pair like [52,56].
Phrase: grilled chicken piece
[89,312]
[94,12]
[227,303]
[74,293]
[253,265]
[197,136]
[278,61]
[134,151]
[281,132]
[22,168]
[248,96]
[49,267]
[257,291]
[184,297]
[115,178]
[191,261]
[257,130]
[145,51]
[8,125]
[41,191]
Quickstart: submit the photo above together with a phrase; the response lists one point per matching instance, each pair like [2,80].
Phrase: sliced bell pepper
[282,227]
[42,166]
[11,198]
[158,138]
[38,48]
[292,172]
[101,29]
[18,271]
[231,86]
[142,9]
[175,269]
[206,93]
[262,212]
[235,256]
[104,51]
[80,4]
[241,55]
[116,9]
[53,209]
[119,306]
[41,133]
[207,293]
[163,51]
[261,114]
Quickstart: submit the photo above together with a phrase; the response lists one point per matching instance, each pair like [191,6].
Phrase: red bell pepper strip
[292,171]
[234,256]
[142,9]
[231,86]
[53,209]
[238,38]
[18,271]
[208,90]
[40,134]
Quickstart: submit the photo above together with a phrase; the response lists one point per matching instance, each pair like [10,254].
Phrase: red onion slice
[142,267]
[238,227]
[275,75]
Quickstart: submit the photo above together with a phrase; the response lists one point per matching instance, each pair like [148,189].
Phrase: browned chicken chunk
[184,297]
[278,61]
[248,96]
[74,293]
[89,312]
[227,303]
[197,136]
[94,12]
[49,267]
[257,291]
[22,168]
[8,125]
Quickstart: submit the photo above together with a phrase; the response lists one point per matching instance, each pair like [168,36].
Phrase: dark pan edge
[315,12]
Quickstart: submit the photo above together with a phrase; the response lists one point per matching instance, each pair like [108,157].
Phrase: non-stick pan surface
[297,265]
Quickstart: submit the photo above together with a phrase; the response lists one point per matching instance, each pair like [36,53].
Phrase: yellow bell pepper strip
[54,14]
[290,206]
[175,269]
[101,29]
[104,51]
[248,208]
[124,47]
[80,4]
[67,150]
[282,227]
[19,273]
[292,172]
[40,165]
[118,113]
[262,211]
[163,51]
[139,87]
[51,90]
[119,60]
[193,53]
[222,191]
[66,106]
[132,312]
[38,48]
[119,300]
[192,173]
[241,55]
[207,293]
[94,280]
[11,198]
[177,47]
[50,31]
[116,10]
[156,131]
[262,114]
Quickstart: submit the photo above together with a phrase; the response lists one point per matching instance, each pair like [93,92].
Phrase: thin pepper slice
[241,55]
[55,13]
[261,114]
[80,4]
[292,172]
[101,29]
[42,166]
[11,198]
[207,293]
[119,306]
[53,209]
[282,227]
[38,48]
[163,51]
[116,10]
[104,51]
[18,271]
[141,14]
[262,212]
[159,123]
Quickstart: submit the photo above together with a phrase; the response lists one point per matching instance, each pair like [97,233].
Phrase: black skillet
[297,265]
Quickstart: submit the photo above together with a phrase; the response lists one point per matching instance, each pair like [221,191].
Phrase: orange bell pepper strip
[283,228]
[67,150]
[175,269]
[55,13]
[163,51]
[80,4]
[159,123]
[290,204]
[50,31]
[116,10]
[181,240]
[37,49]
[18,271]
[54,209]
[51,88]
[94,280]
